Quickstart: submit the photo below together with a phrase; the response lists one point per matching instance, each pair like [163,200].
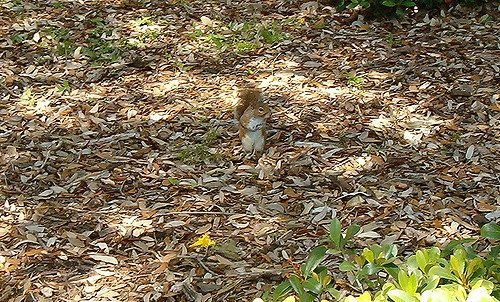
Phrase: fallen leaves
[116,158]
[104,258]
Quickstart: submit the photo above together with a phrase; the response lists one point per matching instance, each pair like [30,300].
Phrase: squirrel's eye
[261,109]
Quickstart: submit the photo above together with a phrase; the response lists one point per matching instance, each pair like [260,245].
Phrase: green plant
[217,39]
[429,4]
[64,87]
[391,41]
[199,153]
[245,46]
[271,33]
[144,20]
[239,37]
[211,136]
[294,23]
[99,50]
[354,81]
[65,48]
[18,38]
[363,3]
[309,282]
[457,273]
[379,8]
[57,34]
[194,154]
[400,6]
[195,33]
[173,181]
[27,98]
[485,19]
[59,39]
[343,137]
[57,5]
[149,35]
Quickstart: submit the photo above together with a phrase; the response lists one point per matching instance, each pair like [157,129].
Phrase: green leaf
[438,295]
[306,297]
[335,293]
[281,290]
[326,281]
[352,230]
[313,260]
[400,296]
[448,250]
[296,285]
[347,266]
[392,269]
[481,295]
[412,264]
[352,5]
[408,283]
[350,299]
[403,280]
[473,266]
[488,285]
[335,235]
[368,255]
[370,269]
[422,260]
[457,265]
[313,286]
[289,299]
[412,284]
[365,297]
[389,3]
[491,231]
[432,283]
[390,251]
[408,3]
[442,272]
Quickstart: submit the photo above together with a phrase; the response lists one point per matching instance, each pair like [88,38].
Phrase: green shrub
[379,8]
[456,273]
[397,8]
[238,37]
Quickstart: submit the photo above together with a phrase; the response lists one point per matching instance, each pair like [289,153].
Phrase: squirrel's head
[262,110]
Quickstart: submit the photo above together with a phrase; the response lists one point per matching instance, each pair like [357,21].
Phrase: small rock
[462,90]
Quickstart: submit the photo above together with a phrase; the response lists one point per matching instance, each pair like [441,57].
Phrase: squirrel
[251,113]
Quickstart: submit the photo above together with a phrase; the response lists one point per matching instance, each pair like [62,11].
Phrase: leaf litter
[118,150]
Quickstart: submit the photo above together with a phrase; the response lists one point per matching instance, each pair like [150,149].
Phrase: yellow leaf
[203,241]
[289,299]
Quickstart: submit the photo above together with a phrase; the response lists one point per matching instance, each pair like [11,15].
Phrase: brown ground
[118,149]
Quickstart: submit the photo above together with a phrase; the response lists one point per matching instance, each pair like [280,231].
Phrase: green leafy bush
[380,8]
[391,8]
[238,37]
[456,273]
[397,8]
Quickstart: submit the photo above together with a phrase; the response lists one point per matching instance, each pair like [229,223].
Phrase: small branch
[350,194]
[198,213]
[8,90]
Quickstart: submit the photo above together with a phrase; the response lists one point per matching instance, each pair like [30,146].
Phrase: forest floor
[118,148]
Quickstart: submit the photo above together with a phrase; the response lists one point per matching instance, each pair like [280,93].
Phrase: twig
[350,194]
[8,90]
[206,268]
[197,213]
